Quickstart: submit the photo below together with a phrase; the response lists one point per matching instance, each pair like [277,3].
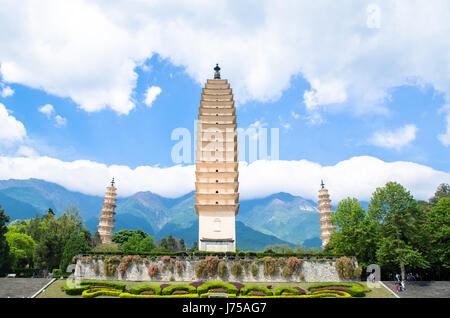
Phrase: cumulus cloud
[357,177]
[60,121]
[395,139]
[151,94]
[11,130]
[350,52]
[47,110]
[6,92]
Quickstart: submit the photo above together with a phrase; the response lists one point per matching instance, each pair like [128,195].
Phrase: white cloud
[357,177]
[396,139]
[60,121]
[47,110]
[151,94]
[6,92]
[11,130]
[295,115]
[445,137]
[349,57]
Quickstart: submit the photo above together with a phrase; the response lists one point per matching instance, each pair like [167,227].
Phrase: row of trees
[51,242]
[396,231]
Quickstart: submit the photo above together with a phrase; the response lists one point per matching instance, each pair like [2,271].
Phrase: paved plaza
[21,287]
[422,289]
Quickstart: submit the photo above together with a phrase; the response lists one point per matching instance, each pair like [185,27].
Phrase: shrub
[180,287]
[163,267]
[162,286]
[281,261]
[110,265]
[254,269]
[222,269]
[200,269]
[286,272]
[204,288]
[165,259]
[145,288]
[236,269]
[245,264]
[180,292]
[127,295]
[269,286]
[94,292]
[122,268]
[145,260]
[355,290]
[179,267]
[344,267]
[153,270]
[196,284]
[136,258]
[89,284]
[170,267]
[172,279]
[218,290]
[96,268]
[357,272]
[247,289]
[270,266]
[257,293]
[286,289]
[293,264]
[301,276]
[211,265]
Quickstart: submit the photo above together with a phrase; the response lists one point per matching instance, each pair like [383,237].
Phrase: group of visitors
[400,283]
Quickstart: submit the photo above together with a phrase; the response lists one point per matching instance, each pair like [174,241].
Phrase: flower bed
[180,287]
[94,292]
[246,290]
[87,284]
[354,289]
[144,288]
[285,289]
[203,289]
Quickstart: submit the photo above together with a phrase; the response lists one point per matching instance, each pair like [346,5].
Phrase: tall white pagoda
[106,223]
[216,163]
[326,227]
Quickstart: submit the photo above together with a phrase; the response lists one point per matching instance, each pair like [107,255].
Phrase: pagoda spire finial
[112,182]
[217,72]
[322,184]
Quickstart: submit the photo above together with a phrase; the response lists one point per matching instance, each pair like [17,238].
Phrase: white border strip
[393,293]
[40,290]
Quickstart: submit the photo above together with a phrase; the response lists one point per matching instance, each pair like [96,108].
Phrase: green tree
[96,240]
[443,191]
[138,244]
[395,213]
[77,244]
[299,248]
[5,258]
[182,245]
[120,237]
[355,235]
[54,233]
[21,248]
[171,243]
[438,228]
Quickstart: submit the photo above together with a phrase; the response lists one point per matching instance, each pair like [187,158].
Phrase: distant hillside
[261,222]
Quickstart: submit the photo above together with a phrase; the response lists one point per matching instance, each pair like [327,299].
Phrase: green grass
[55,289]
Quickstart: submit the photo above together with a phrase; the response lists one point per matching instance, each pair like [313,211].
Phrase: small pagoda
[326,227]
[106,222]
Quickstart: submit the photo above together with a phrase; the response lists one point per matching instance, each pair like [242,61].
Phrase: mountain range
[280,218]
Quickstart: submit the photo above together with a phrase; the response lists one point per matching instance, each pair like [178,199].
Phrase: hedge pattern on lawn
[203,289]
[143,288]
[354,289]
[94,292]
[128,295]
[86,284]
[179,287]
[286,289]
[248,289]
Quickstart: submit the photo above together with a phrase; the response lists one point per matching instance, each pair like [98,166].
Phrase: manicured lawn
[55,291]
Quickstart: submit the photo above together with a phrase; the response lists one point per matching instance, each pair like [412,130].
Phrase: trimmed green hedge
[94,292]
[170,289]
[355,290]
[127,295]
[323,295]
[282,289]
[142,288]
[86,284]
[248,289]
[203,289]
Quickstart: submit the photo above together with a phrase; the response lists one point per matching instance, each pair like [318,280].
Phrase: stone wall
[311,271]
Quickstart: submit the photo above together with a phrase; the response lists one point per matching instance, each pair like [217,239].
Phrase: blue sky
[379,97]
